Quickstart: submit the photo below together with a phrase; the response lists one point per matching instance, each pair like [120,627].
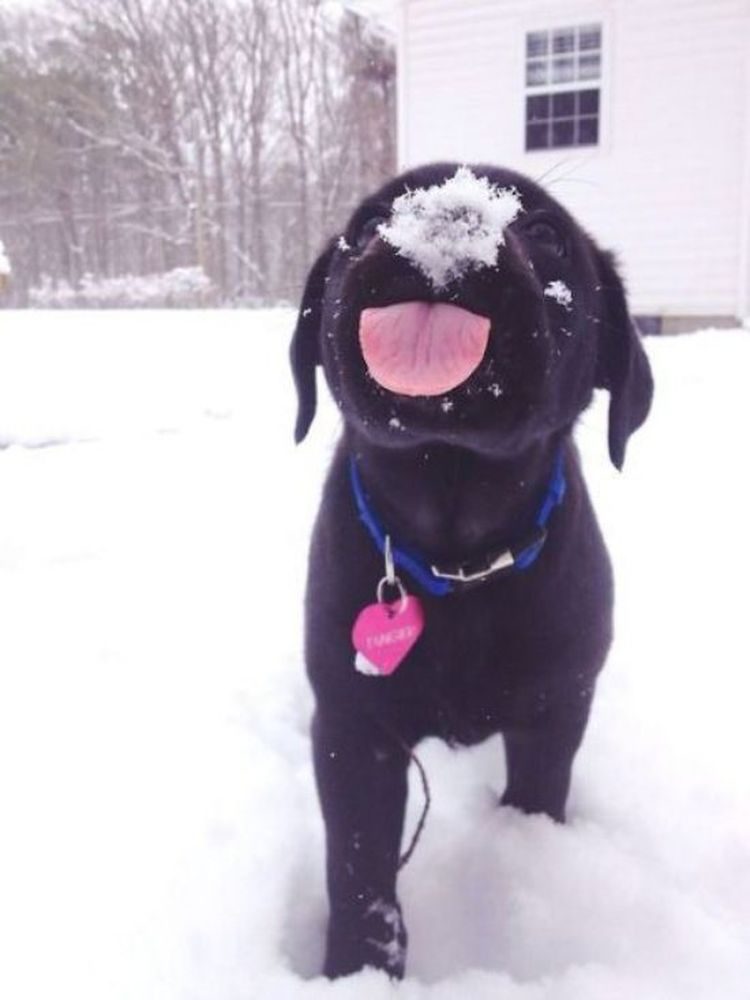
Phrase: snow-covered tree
[141,136]
[4,269]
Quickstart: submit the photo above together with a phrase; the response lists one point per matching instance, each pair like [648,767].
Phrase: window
[563,67]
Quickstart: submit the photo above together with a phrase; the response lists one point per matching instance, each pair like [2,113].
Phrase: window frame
[559,21]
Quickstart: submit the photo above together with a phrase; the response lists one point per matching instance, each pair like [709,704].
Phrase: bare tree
[138,136]
[250,110]
[300,30]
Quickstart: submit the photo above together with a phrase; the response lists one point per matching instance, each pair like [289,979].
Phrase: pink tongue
[422,349]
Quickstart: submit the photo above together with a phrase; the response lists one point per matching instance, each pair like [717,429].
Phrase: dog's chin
[499,409]
[477,415]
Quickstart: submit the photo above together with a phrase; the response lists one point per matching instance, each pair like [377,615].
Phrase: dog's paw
[377,939]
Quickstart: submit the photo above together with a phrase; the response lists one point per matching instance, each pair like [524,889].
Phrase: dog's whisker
[551,170]
[576,165]
[574,180]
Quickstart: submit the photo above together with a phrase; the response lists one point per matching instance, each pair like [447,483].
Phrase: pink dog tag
[384,633]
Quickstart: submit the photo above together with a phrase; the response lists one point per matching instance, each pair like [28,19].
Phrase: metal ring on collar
[395,582]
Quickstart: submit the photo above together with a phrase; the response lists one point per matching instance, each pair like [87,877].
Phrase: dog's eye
[368,231]
[545,235]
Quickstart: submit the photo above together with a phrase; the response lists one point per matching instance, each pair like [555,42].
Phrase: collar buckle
[519,556]
[463,574]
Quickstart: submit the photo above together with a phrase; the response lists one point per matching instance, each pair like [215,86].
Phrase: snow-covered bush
[182,287]
[52,294]
[4,266]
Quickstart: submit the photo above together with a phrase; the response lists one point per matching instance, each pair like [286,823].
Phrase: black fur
[518,654]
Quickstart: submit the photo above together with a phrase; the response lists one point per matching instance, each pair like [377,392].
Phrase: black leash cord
[406,857]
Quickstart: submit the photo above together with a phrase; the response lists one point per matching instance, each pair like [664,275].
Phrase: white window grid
[560,60]
[563,58]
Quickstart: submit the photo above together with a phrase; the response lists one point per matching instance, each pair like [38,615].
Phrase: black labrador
[456,494]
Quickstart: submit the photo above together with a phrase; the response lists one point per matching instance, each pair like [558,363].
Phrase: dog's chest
[461,518]
[479,666]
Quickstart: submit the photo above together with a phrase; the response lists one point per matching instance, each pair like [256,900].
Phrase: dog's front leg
[539,764]
[361,776]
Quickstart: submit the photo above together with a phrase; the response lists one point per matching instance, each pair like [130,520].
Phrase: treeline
[141,136]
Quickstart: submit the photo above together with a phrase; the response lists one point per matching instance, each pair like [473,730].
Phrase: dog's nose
[450,229]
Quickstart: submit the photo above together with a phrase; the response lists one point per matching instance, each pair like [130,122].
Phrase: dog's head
[465,305]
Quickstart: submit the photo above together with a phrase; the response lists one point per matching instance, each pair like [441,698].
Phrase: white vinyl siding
[674,117]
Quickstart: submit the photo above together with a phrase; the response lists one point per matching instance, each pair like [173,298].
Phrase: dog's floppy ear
[622,366]
[305,349]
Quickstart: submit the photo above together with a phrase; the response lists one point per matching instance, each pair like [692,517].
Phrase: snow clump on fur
[453,227]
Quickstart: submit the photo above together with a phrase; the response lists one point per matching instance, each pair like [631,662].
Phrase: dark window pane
[564,40]
[537,108]
[589,37]
[589,67]
[537,136]
[588,102]
[537,43]
[536,73]
[562,119]
[563,70]
[564,105]
[588,131]
[563,133]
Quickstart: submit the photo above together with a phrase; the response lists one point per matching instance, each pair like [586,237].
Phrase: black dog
[478,487]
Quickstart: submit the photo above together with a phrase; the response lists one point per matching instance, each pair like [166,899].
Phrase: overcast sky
[27,4]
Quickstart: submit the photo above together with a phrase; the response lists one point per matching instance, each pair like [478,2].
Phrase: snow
[160,832]
[560,292]
[4,262]
[451,228]
[181,287]
[393,947]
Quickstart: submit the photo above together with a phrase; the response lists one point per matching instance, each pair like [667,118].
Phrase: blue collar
[440,581]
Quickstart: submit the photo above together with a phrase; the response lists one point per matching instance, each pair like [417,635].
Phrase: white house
[635,113]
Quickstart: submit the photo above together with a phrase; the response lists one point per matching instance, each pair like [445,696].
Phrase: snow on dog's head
[453,227]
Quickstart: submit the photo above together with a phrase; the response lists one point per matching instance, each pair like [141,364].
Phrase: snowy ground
[160,838]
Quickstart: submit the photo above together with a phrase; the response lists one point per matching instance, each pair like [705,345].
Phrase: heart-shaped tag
[384,633]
